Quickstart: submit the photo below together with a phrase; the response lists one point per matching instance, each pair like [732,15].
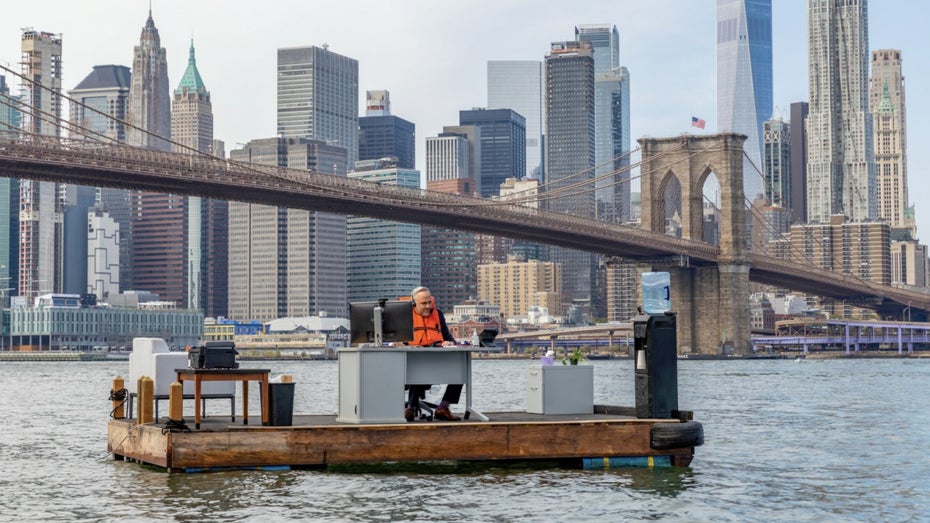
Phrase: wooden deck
[608,436]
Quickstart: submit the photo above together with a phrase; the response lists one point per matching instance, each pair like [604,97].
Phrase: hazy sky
[432,56]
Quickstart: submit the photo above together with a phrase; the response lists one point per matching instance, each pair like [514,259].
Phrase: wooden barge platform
[609,437]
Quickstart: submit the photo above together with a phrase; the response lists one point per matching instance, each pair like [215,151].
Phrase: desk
[243,375]
[372,379]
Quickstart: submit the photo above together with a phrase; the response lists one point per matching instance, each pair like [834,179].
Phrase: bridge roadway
[608,330]
[614,333]
[127,167]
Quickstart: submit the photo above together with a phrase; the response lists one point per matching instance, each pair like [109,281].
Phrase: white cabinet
[560,389]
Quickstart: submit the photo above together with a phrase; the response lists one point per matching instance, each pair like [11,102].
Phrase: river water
[814,440]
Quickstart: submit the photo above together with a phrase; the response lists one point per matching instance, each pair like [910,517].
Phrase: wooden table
[243,375]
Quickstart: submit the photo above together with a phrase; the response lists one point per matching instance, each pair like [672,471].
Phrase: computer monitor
[396,321]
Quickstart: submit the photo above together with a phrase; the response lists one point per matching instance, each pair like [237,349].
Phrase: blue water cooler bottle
[656,292]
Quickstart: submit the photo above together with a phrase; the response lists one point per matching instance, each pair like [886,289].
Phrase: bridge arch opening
[668,206]
[709,186]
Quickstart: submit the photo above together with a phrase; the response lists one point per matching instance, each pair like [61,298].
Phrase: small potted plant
[573,357]
[561,389]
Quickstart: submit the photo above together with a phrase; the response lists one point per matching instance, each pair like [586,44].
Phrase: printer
[213,355]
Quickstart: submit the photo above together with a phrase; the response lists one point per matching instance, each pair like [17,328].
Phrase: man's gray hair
[418,290]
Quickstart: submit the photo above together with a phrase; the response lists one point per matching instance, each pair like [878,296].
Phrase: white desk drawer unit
[560,389]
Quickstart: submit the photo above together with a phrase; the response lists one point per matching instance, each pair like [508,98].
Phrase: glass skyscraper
[318,97]
[381,134]
[9,115]
[605,44]
[744,79]
[611,118]
[776,140]
[383,257]
[388,135]
[612,144]
[518,85]
[798,197]
[502,140]
[570,155]
[9,203]
[105,89]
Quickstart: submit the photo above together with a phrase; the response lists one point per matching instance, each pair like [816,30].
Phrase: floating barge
[609,437]
[561,422]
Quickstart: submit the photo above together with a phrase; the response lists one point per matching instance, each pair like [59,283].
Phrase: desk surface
[405,348]
[225,372]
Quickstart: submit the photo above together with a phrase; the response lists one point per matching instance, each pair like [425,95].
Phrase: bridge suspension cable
[194,159]
[548,191]
[88,133]
[532,195]
[579,187]
[800,257]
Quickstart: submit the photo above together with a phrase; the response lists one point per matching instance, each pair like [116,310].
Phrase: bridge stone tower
[712,301]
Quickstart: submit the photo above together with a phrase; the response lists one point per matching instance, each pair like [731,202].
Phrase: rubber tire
[676,435]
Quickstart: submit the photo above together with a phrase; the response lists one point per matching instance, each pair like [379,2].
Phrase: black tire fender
[676,435]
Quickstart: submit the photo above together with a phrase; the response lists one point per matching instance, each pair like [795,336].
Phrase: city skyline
[437,71]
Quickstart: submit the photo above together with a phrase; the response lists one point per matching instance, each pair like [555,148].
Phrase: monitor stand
[379,329]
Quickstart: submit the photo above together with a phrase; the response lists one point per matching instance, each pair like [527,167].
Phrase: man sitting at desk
[430,330]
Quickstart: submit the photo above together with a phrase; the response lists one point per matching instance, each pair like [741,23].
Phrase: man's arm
[446,334]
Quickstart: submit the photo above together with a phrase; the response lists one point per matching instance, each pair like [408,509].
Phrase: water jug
[656,295]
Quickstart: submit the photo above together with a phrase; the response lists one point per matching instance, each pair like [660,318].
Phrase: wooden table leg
[197,402]
[265,398]
[245,402]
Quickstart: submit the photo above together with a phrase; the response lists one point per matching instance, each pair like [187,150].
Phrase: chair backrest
[164,367]
[140,359]
[150,345]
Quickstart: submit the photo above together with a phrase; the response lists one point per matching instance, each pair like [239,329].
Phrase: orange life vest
[427,330]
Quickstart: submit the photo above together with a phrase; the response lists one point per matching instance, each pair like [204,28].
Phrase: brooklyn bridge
[710,282]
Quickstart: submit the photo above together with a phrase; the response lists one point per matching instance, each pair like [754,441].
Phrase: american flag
[697,122]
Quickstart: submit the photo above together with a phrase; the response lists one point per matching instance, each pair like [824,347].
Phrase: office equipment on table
[213,355]
[382,321]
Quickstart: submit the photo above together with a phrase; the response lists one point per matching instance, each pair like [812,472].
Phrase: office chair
[422,409]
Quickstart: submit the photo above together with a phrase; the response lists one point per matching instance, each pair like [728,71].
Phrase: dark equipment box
[214,355]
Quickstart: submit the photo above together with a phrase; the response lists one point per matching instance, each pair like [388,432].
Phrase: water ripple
[840,440]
